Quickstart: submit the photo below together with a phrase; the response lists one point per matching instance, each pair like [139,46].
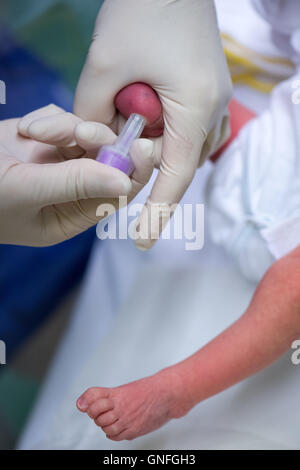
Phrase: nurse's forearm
[258,338]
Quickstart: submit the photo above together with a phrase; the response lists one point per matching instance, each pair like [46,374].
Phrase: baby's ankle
[175,391]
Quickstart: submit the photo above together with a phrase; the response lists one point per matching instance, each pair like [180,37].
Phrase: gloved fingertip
[144,244]
[148,227]
[86,131]
[22,126]
[37,129]
[118,184]
[127,185]
[144,147]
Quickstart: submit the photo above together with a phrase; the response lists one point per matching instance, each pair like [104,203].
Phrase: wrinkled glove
[174,46]
[50,185]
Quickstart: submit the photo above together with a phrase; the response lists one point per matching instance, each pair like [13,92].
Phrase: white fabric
[247,26]
[139,312]
[284,18]
[283,15]
[167,308]
[254,193]
[284,238]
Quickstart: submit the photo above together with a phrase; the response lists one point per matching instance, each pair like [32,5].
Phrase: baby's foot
[141,98]
[134,409]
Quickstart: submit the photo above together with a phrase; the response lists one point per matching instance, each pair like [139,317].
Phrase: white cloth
[284,18]
[247,26]
[167,308]
[283,15]
[254,192]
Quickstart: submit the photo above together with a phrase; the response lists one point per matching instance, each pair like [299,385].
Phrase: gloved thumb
[181,149]
[69,181]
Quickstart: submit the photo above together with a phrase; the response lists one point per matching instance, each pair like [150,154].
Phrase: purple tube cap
[117,155]
[110,156]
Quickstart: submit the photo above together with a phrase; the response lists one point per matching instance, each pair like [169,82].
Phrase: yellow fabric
[253,69]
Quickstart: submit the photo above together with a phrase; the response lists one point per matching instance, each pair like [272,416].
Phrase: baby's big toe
[90,396]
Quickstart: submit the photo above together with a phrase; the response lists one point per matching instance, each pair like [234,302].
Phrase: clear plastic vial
[117,155]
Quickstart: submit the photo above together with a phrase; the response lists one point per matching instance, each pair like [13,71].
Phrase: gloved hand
[174,46]
[48,192]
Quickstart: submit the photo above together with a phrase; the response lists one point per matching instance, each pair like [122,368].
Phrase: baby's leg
[259,337]
[142,406]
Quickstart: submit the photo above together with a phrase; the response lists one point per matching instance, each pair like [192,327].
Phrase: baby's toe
[116,438]
[113,429]
[91,395]
[106,419]
[122,436]
[100,406]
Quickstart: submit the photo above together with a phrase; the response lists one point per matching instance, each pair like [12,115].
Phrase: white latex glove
[173,46]
[47,193]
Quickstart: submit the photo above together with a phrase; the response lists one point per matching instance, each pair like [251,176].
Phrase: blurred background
[43,44]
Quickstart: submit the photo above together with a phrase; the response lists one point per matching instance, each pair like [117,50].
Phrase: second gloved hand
[174,46]
[51,186]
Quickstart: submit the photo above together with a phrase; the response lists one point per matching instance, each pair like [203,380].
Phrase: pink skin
[142,99]
[265,331]
[131,410]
